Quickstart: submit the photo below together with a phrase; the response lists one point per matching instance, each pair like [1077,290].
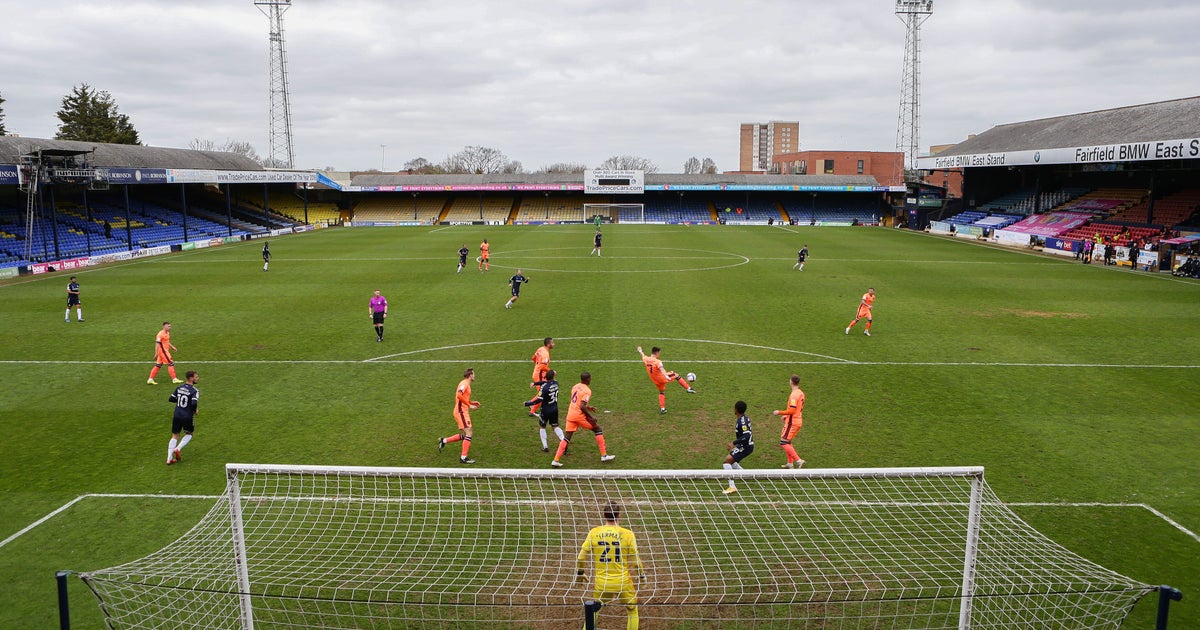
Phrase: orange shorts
[463,420]
[790,430]
[581,423]
[864,313]
[163,359]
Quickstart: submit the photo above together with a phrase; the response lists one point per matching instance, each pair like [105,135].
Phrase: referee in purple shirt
[378,313]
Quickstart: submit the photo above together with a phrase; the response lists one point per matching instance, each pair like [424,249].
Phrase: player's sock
[453,438]
[600,443]
[791,453]
[171,371]
[662,401]
[683,383]
[631,622]
[801,266]
[737,466]
[171,449]
[381,332]
[562,448]
[868,325]
[79,313]
[558,432]
[466,446]
[67,317]
[153,372]
[183,442]
[542,434]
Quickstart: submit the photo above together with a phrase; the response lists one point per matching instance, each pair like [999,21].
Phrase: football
[691,376]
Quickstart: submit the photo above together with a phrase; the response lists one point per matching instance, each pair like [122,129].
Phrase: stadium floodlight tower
[908,127]
[279,153]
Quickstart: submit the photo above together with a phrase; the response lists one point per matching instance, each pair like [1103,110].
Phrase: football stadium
[997,349]
[1011,444]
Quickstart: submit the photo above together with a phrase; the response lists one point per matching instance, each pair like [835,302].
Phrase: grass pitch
[1072,384]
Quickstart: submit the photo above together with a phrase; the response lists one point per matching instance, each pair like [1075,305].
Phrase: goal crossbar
[342,547]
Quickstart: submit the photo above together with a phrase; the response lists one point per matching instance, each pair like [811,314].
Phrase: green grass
[1070,383]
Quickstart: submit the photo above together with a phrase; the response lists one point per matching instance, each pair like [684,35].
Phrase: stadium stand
[1111,233]
[292,207]
[1169,211]
[687,211]
[835,208]
[551,208]
[1104,202]
[391,208]
[471,208]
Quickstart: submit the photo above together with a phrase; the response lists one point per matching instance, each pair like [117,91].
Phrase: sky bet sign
[1188,148]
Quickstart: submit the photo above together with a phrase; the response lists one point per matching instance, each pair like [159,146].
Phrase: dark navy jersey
[741,433]
[516,281]
[266,252]
[803,254]
[463,253]
[73,289]
[186,398]
[548,396]
[597,239]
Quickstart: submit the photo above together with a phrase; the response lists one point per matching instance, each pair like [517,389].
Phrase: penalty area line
[81,497]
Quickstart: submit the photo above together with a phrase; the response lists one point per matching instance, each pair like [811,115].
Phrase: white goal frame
[590,210]
[333,547]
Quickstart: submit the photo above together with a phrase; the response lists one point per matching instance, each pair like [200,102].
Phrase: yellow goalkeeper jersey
[613,553]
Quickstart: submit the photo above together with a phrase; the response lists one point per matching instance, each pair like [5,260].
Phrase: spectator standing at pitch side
[73,300]
[378,308]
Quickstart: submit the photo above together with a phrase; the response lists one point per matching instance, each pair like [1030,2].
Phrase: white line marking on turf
[660,339]
[85,496]
[65,506]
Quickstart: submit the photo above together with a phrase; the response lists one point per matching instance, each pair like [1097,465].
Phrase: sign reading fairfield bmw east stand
[1187,148]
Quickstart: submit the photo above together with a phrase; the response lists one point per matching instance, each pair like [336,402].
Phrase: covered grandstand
[1126,178]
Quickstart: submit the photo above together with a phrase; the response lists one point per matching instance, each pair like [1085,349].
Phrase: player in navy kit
[186,398]
[73,300]
[266,255]
[743,443]
[463,252]
[548,398]
[596,243]
[515,282]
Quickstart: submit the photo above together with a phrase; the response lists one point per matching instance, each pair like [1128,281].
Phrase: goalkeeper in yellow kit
[612,551]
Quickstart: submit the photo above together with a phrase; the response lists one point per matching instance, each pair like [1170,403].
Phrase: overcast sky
[582,80]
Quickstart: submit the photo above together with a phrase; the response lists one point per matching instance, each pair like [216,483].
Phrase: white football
[691,376]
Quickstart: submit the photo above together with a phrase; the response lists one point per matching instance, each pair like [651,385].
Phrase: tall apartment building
[761,141]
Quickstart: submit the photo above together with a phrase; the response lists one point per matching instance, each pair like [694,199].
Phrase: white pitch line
[65,506]
[831,361]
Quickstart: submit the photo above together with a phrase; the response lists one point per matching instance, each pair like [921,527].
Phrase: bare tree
[479,160]
[708,167]
[422,166]
[629,163]
[240,147]
[691,166]
[563,167]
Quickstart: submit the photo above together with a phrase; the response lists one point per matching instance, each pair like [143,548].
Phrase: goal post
[615,212]
[348,547]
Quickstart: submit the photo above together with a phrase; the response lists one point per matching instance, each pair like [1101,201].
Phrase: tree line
[91,115]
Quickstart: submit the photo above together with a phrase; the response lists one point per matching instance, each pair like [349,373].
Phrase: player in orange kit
[462,415]
[864,311]
[483,256]
[541,365]
[792,421]
[660,376]
[162,355]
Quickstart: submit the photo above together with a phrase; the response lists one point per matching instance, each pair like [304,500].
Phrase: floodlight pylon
[908,125]
[280,153]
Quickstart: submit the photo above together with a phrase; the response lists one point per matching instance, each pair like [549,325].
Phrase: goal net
[356,547]
[615,212]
